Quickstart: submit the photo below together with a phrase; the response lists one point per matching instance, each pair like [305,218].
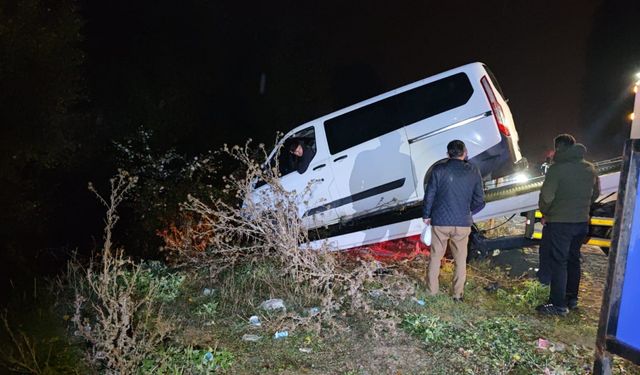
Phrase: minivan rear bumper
[499,160]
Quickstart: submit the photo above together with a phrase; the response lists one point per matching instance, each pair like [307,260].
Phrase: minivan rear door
[457,109]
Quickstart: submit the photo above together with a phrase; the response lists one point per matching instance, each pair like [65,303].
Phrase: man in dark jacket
[454,192]
[570,187]
[301,155]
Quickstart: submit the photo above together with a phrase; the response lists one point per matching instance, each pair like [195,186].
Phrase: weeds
[256,249]
[526,295]
[207,310]
[249,248]
[186,361]
[166,284]
[497,345]
[26,354]
[22,356]
[121,324]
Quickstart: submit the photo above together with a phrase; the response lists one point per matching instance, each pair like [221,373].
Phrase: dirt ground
[594,273]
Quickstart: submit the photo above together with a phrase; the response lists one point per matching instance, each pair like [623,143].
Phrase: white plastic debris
[255,321]
[251,338]
[558,347]
[273,304]
[305,350]
[208,357]
[313,311]
[281,334]
[420,302]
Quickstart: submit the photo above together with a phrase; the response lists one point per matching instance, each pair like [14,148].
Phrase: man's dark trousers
[565,240]
[544,263]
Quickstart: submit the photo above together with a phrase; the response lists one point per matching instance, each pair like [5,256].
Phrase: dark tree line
[45,138]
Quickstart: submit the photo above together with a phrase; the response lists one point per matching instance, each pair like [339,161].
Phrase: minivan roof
[474,67]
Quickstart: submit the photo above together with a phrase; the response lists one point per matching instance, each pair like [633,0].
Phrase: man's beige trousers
[458,237]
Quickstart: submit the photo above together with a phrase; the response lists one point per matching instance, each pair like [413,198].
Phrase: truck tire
[475,250]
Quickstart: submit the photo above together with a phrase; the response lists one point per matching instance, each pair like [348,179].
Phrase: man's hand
[543,221]
[427,221]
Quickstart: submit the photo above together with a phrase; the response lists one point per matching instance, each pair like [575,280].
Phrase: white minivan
[372,159]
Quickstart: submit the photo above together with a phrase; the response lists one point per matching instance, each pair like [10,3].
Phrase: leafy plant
[496,345]
[166,283]
[207,310]
[528,294]
[431,329]
[187,360]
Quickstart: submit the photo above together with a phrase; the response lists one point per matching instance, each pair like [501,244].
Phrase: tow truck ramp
[505,200]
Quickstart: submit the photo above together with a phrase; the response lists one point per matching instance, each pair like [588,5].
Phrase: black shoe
[458,299]
[572,304]
[550,309]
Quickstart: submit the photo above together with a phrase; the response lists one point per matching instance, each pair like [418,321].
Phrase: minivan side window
[394,112]
[287,161]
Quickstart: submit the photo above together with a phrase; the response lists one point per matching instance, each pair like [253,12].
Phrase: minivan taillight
[496,108]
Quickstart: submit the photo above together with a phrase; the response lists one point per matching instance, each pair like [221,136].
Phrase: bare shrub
[121,324]
[253,230]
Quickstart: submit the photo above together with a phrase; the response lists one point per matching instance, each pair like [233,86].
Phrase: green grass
[491,346]
[177,360]
[489,333]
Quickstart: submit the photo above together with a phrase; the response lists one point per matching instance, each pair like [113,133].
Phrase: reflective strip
[602,221]
[601,242]
[450,127]
[595,241]
[595,220]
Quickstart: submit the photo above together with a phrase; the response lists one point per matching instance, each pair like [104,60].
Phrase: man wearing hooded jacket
[570,187]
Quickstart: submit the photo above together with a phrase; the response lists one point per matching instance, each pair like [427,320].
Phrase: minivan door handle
[319,166]
[340,158]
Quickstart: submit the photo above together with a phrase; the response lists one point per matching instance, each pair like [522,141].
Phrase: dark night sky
[321,56]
